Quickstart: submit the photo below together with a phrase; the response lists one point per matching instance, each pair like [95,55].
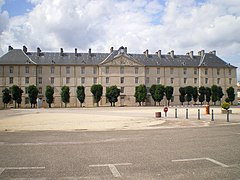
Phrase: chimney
[201,53]
[111,49]
[172,53]
[24,49]
[191,54]
[125,50]
[76,52]
[10,48]
[158,53]
[38,51]
[61,51]
[146,53]
[213,52]
[89,52]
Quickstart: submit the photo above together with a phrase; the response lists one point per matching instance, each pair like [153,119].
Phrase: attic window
[183,63]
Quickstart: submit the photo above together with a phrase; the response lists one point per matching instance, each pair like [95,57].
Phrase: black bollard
[198,114]
[212,115]
[227,115]
[175,112]
[186,113]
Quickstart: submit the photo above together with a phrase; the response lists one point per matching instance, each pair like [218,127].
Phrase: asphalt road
[177,153]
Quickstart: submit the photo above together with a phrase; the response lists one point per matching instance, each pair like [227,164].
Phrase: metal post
[212,115]
[227,115]
[175,112]
[198,114]
[165,114]
[186,113]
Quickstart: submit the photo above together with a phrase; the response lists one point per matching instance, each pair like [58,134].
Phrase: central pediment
[122,61]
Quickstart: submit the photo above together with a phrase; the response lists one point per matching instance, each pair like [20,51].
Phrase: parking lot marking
[112,168]
[1,170]
[198,159]
[18,168]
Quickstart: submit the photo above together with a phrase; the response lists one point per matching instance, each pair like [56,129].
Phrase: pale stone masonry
[118,67]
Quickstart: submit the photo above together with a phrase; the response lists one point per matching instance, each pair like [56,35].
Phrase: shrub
[226,105]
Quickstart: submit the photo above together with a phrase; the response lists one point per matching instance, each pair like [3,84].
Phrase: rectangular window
[82,80]
[136,70]
[136,80]
[158,80]
[185,71]
[52,69]
[218,80]
[147,70]
[67,80]
[230,72]
[195,80]
[206,80]
[94,80]
[94,70]
[107,70]
[68,70]
[26,90]
[82,70]
[107,80]
[11,69]
[218,71]
[121,70]
[171,70]
[122,89]
[40,90]
[206,71]
[147,80]
[27,69]
[122,80]
[52,80]
[26,80]
[158,70]
[26,100]
[39,69]
[39,80]
[11,80]
[230,80]
[195,71]
[171,80]
[185,80]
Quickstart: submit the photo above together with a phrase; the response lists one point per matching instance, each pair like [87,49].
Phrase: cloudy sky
[180,25]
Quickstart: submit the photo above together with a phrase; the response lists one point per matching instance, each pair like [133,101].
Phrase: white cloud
[182,25]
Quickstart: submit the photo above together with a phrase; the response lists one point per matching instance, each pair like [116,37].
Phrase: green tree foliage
[152,92]
[49,95]
[214,90]
[112,94]
[17,95]
[169,93]
[189,92]
[32,94]
[231,94]
[226,105]
[6,97]
[220,93]
[81,94]
[140,94]
[65,95]
[182,95]
[195,94]
[208,94]
[201,97]
[97,91]
[159,93]
[19,100]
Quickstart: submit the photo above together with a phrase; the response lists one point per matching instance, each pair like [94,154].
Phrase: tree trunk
[114,104]
[15,105]
[49,105]
[65,105]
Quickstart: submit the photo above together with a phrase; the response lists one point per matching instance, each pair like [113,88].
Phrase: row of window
[52,69]
[122,79]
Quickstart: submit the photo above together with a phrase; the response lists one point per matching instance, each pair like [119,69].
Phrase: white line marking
[18,168]
[198,159]
[1,170]
[112,168]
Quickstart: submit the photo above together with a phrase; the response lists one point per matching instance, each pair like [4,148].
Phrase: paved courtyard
[111,118]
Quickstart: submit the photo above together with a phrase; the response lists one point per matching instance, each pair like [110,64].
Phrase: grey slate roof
[17,56]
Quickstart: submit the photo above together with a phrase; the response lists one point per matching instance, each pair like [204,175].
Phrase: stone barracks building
[117,67]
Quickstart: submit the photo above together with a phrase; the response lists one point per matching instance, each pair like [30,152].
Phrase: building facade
[118,67]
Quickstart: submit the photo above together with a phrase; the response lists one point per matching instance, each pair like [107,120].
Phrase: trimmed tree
[112,94]
[81,94]
[208,94]
[214,90]
[195,94]
[65,95]
[140,94]
[201,97]
[152,92]
[49,95]
[97,91]
[32,94]
[169,93]
[182,95]
[6,97]
[231,94]
[15,94]
[19,99]
[159,93]
[189,92]
[220,93]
